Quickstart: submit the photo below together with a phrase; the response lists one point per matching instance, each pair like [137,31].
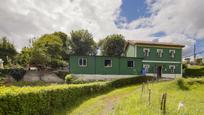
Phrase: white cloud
[181,20]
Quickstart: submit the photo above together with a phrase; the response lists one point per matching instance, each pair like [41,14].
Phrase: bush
[17,74]
[61,74]
[43,100]
[68,78]
[194,72]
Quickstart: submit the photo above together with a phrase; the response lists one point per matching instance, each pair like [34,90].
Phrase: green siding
[153,54]
[101,69]
[125,70]
[165,67]
[96,65]
[75,68]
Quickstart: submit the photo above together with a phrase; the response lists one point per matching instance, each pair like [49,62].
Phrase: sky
[176,21]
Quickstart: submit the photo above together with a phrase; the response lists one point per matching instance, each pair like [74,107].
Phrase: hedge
[194,72]
[42,100]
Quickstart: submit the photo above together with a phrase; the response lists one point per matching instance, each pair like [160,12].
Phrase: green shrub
[17,74]
[132,80]
[182,84]
[194,72]
[61,74]
[43,100]
[68,78]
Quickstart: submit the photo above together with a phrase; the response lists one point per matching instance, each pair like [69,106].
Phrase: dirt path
[104,104]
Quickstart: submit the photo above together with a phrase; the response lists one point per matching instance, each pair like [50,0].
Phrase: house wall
[95,65]
[153,53]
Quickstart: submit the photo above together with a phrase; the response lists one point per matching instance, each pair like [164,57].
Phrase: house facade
[156,58]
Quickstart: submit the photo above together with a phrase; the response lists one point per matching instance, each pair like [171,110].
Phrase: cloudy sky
[177,21]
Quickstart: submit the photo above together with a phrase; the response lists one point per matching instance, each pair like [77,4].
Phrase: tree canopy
[112,45]
[82,43]
[7,50]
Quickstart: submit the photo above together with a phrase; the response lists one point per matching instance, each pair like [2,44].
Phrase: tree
[47,51]
[112,45]
[7,50]
[24,57]
[65,44]
[82,43]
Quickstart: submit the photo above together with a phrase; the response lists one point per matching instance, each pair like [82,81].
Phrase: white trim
[135,50]
[83,65]
[160,61]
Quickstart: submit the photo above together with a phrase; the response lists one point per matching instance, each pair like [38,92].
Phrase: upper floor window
[172,53]
[146,67]
[146,52]
[108,63]
[172,68]
[130,64]
[82,62]
[160,52]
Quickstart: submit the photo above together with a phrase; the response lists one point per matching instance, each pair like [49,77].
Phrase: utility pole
[194,53]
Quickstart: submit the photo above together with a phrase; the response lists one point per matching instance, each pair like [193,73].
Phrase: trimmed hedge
[43,100]
[194,72]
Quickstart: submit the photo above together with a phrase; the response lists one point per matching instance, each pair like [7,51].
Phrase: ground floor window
[130,64]
[82,62]
[172,68]
[108,63]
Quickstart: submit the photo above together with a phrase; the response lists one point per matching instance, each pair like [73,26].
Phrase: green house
[156,58]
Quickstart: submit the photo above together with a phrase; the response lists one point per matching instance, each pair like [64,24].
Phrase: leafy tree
[7,50]
[47,50]
[65,44]
[82,43]
[112,45]
[24,57]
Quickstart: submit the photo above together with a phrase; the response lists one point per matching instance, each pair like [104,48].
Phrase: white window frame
[146,66]
[83,65]
[160,52]
[110,63]
[172,56]
[148,51]
[170,68]
[133,64]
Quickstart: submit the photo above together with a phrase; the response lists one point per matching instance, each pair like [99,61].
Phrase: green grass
[196,67]
[128,101]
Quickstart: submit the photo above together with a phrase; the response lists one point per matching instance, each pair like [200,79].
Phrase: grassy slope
[128,101]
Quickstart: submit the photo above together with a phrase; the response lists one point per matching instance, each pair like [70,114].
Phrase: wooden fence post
[163,103]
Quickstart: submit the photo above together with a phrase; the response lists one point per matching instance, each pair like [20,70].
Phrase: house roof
[134,42]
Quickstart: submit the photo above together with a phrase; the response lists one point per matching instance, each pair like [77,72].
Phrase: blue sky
[135,9]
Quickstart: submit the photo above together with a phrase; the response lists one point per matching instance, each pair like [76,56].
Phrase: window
[108,63]
[146,52]
[159,52]
[172,53]
[83,62]
[130,64]
[146,67]
[172,68]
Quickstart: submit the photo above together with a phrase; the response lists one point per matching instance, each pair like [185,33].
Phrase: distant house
[156,58]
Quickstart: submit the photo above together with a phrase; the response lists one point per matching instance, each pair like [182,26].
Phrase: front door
[159,71]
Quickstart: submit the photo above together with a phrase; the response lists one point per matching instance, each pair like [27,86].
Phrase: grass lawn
[130,101]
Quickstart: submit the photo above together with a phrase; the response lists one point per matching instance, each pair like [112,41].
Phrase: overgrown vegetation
[194,71]
[146,100]
[45,99]
[17,74]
